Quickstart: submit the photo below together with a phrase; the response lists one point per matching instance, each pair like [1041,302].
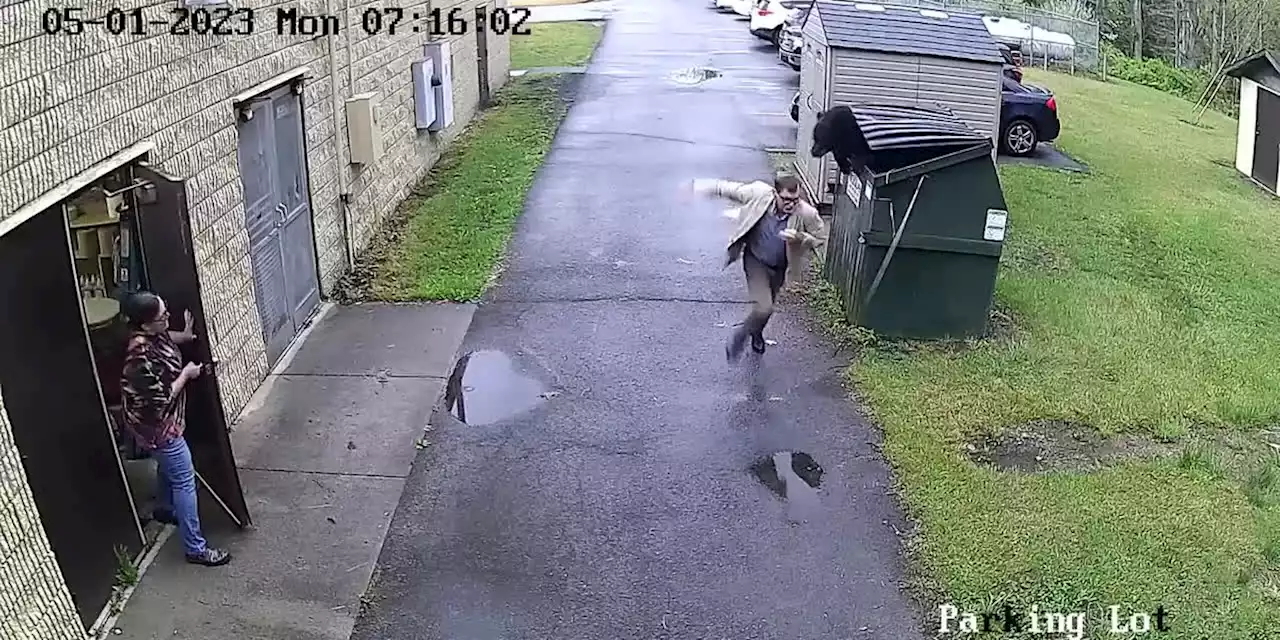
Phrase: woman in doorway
[153,387]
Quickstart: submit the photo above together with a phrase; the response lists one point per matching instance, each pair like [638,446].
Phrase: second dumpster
[916,236]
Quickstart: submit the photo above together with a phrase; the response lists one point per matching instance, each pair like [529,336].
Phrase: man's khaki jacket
[756,198]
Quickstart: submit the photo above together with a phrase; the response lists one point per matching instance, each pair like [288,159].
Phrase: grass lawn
[452,234]
[1146,300]
[555,44]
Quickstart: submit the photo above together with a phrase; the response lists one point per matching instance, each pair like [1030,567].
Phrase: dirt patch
[783,161]
[1052,445]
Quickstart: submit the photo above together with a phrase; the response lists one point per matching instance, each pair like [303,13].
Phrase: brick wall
[68,102]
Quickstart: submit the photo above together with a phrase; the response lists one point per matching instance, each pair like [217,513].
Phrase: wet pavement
[599,470]
[1047,155]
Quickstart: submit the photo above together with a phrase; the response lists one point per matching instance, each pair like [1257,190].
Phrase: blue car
[1028,116]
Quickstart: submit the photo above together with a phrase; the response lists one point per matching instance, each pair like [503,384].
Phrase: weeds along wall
[70,101]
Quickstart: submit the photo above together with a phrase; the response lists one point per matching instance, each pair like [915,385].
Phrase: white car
[769,17]
[743,7]
[722,5]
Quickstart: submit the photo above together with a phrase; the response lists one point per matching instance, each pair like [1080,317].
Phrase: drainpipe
[340,171]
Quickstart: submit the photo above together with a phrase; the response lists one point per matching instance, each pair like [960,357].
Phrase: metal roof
[907,30]
[1246,66]
[892,127]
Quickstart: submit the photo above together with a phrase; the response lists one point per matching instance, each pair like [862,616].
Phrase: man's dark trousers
[763,284]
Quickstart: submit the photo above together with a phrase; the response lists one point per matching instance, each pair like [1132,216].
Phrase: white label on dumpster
[996,219]
[853,189]
[867,190]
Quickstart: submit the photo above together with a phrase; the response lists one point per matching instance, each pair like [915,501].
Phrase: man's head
[786,188]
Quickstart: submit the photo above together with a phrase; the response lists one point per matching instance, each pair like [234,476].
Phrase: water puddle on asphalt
[693,75]
[487,387]
[796,477]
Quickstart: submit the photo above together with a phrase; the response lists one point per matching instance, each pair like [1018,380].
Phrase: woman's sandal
[210,558]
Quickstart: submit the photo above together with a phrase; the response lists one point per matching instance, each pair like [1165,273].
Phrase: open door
[54,404]
[1266,142]
[169,269]
[482,56]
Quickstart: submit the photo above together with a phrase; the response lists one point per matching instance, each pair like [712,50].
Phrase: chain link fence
[1045,38]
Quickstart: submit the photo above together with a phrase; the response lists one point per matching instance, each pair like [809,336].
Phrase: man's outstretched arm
[739,192]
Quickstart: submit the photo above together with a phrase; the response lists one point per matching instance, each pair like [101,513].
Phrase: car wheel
[1019,138]
[776,36]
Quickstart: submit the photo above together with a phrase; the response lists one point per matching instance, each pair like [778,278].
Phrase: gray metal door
[301,284]
[256,149]
[278,217]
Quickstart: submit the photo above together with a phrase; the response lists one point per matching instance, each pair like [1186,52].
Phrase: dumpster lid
[896,127]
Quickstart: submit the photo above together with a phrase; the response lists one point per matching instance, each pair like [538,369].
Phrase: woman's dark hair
[140,308]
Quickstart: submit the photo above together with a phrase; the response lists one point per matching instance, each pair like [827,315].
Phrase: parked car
[769,17]
[742,7]
[791,42]
[1028,116]
[723,6]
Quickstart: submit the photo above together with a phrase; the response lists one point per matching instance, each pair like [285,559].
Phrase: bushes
[1189,84]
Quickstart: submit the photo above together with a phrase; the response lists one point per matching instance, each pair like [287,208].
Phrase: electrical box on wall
[364,132]
[439,54]
[424,94]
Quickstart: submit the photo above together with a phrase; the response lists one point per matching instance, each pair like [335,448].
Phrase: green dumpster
[916,236]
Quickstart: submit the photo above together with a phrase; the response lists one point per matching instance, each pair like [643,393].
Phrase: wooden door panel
[169,258]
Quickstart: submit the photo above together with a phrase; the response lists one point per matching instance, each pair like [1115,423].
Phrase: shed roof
[906,30]
[1255,64]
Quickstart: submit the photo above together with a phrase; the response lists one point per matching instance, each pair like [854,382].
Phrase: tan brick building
[78,110]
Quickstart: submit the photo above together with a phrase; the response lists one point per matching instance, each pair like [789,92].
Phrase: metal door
[297,241]
[482,55]
[164,228]
[263,213]
[55,409]
[1266,142]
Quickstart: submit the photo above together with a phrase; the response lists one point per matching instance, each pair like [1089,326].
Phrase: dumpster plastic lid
[894,127]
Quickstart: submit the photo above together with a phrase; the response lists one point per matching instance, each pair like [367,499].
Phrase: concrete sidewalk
[324,449]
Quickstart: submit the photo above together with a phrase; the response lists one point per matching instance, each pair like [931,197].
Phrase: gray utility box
[916,236]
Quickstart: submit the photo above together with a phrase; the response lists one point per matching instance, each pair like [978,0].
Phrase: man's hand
[702,187]
[789,235]
[192,371]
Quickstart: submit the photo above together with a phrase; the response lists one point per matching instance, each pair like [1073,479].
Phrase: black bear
[837,132]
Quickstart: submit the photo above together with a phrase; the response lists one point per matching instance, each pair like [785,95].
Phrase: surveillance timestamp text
[244,21]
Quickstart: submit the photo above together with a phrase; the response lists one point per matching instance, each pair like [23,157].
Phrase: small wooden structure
[1258,137]
[857,53]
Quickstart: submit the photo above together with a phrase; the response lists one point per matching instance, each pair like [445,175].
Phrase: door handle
[281,211]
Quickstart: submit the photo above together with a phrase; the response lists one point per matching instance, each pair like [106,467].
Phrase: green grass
[1147,299]
[459,225]
[555,44]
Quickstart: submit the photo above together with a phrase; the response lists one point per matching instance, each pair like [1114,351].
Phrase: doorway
[1266,143]
[482,56]
[66,270]
[273,173]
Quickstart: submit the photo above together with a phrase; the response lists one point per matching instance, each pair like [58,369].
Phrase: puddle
[693,75]
[795,476]
[1049,445]
[486,387]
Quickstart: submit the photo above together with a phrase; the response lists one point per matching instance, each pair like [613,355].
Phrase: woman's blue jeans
[176,491]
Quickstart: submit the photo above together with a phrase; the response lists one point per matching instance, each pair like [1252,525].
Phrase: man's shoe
[758,344]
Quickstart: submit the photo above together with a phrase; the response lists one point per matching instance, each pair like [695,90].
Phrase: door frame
[294,85]
[1269,182]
